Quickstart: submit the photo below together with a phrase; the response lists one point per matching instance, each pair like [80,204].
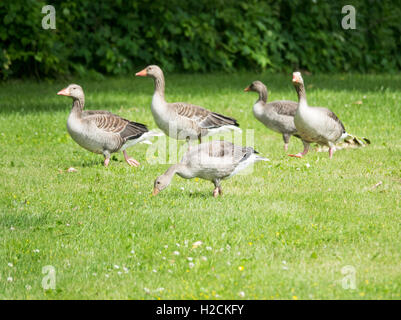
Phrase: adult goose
[213,161]
[183,121]
[277,115]
[101,131]
[317,124]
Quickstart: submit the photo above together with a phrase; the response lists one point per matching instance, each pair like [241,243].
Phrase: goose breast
[89,136]
[281,123]
[316,124]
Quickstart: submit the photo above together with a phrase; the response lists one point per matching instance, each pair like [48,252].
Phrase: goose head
[256,86]
[161,183]
[74,91]
[297,79]
[152,71]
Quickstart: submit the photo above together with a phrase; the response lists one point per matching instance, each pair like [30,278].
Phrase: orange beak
[247,89]
[64,92]
[142,73]
[155,191]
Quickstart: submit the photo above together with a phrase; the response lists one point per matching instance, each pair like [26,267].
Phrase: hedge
[118,37]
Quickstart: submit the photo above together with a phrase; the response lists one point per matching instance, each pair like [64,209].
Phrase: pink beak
[142,73]
[64,92]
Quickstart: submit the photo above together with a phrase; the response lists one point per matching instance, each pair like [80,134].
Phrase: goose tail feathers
[149,135]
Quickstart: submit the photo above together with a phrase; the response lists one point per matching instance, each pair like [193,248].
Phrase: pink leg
[285,146]
[301,154]
[216,192]
[331,151]
[106,162]
[130,161]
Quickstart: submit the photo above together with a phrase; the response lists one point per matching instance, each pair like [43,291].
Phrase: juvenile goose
[213,161]
[181,120]
[317,124]
[277,115]
[101,131]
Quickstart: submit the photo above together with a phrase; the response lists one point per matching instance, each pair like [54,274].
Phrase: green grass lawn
[284,231]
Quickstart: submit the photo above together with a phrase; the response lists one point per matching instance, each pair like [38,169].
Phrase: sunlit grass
[284,231]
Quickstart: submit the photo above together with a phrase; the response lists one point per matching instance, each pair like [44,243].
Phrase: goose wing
[202,117]
[332,115]
[111,123]
[284,107]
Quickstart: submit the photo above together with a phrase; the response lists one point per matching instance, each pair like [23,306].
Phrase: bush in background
[118,37]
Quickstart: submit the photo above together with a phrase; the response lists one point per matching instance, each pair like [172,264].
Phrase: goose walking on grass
[213,161]
[100,131]
[317,124]
[180,120]
[276,115]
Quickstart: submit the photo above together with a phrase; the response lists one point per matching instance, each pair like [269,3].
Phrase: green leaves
[121,36]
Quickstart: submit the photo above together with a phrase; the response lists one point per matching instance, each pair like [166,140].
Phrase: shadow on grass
[23,219]
[28,96]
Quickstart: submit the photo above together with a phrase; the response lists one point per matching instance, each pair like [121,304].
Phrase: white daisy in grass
[191,265]
[197,244]
[176,253]
[10,279]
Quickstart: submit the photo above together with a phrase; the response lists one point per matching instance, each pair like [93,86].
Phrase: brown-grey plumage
[316,124]
[213,161]
[180,120]
[276,115]
[101,131]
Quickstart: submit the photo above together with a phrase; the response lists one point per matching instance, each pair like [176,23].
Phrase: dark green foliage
[118,37]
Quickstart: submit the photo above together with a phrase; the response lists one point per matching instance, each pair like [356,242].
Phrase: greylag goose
[317,124]
[183,121]
[213,161]
[101,131]
[277,115]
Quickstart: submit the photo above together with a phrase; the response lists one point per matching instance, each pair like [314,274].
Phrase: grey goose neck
[78,105]
[300,88]
[263,94]
[160,84]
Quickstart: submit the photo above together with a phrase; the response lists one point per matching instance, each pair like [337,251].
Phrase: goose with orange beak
[180,120]
[276,115]
[101,131]
[318,124]
[214,161]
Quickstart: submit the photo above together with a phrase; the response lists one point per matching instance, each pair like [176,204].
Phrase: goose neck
[159,85]
[263,94]
[301,94]
[172,170]
[78,105]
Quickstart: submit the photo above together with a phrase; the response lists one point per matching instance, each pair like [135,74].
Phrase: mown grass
[284,231]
